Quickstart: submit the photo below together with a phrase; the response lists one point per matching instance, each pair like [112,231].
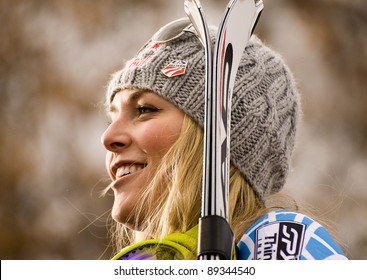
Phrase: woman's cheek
[159,138]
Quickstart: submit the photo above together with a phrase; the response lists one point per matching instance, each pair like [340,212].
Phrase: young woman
[154,156]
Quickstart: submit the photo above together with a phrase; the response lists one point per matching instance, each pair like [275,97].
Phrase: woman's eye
[146,110]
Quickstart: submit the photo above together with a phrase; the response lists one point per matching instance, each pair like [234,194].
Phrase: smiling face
[143,127]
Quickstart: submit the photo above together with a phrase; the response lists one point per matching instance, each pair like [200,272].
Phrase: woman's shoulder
[286,234]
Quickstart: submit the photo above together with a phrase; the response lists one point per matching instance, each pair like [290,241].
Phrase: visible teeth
[128,169]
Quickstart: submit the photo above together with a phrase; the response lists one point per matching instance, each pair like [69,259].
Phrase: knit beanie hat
[265,102]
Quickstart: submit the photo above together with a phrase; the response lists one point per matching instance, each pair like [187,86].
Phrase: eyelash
[143,109]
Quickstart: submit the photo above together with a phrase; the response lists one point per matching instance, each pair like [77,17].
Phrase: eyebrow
[136,95]
[133,97]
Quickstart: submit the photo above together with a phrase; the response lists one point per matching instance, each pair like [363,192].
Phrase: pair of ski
[222,61]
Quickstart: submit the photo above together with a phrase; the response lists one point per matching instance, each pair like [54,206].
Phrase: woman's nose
[115,138]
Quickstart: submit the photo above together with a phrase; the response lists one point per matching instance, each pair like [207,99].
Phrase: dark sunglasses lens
[171,30]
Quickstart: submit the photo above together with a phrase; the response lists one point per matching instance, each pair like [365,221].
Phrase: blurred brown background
[55,60]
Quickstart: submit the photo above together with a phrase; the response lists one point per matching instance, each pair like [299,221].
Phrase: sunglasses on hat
[173,30]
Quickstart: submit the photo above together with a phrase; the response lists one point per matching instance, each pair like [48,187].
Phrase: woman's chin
[124,217]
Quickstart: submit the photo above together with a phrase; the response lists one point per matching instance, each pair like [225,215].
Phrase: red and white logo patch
[175,68]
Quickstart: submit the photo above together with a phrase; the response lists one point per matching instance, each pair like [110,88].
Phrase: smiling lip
[125,178]
[128,169]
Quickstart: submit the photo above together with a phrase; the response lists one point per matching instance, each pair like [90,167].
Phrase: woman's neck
[139,236]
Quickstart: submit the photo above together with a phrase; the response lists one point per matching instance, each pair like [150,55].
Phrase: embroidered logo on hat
[175,68]
[140,61]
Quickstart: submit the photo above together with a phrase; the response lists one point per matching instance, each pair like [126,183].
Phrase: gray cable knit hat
[265,104]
